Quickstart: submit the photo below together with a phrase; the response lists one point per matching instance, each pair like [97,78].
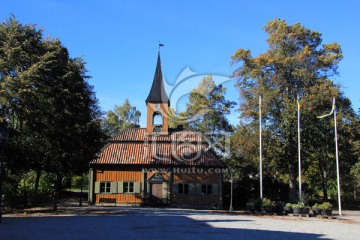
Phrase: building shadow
[132,226]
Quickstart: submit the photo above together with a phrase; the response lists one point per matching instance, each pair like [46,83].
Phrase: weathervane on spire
[160,45]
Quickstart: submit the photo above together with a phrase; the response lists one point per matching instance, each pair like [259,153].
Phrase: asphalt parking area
[158,223]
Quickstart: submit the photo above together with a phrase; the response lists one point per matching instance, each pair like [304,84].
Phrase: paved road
[171,224]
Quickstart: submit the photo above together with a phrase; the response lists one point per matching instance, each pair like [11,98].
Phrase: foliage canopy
[296,63]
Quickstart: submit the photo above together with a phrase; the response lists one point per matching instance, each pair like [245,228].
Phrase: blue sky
[119,39]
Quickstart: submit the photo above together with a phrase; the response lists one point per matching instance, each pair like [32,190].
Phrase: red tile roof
[133,146]
[139,134]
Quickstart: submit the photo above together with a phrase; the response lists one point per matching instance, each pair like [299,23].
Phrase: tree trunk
[292,182]
[291,153]
[325,192]
[323,180]
[81,190]
[323,177]
[36,188]
[56,192]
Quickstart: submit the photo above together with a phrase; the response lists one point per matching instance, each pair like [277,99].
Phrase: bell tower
[158,105]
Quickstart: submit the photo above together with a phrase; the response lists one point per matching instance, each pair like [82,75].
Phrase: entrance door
[157,192]
[157,189]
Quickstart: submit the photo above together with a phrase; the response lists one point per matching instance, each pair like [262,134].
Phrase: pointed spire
[157,93]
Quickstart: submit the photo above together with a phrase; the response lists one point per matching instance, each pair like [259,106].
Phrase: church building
[157,165]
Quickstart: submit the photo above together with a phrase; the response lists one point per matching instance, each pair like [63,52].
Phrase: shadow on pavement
[133,227]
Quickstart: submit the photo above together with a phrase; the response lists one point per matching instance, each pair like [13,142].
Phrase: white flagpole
[333,110]
[299,148]
[337,159]
[261,185]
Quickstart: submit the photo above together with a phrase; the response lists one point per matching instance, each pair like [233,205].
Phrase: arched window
[157,119]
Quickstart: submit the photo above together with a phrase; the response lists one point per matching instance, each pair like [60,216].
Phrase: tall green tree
[355,170]
[207,110]
[296,63]
[121,118]
[47,103]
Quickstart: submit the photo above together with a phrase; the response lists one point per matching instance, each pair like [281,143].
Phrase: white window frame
[127,186]
[105,187]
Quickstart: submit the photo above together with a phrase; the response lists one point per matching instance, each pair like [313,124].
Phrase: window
[206,189]
[128,187]
[157,119]
[105,187]
[184,188]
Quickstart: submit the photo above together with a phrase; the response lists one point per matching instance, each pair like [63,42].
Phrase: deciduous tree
[46,102]
[296,63]
[121,118]
[207,110]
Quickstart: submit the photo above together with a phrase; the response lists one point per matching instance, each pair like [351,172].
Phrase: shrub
[279,206]
[19,190]
[253,205]
[288,208]
[298,205]
[326,206]
[268,206]
[288,205]
[266,202]
[315,206]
